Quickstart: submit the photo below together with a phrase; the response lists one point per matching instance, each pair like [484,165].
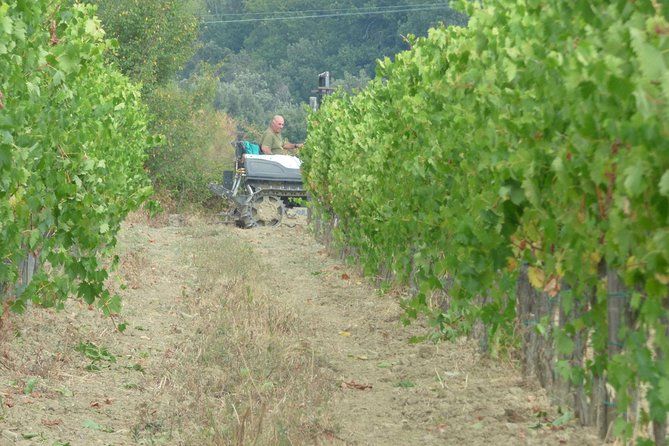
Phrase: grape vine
[72,146]
[536,137]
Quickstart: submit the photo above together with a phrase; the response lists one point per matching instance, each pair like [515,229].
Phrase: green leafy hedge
[72,147]
[537,135]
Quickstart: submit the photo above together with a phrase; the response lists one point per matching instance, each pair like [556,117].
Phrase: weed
[30,386]
[406,383]
[95,353]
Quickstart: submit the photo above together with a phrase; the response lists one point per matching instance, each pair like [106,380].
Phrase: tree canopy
[287,44]
[156,37]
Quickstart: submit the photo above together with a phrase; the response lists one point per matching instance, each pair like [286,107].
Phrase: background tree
[195,146]
[253,97]
[156,40]
[156,37]
[345,37]
[279,52]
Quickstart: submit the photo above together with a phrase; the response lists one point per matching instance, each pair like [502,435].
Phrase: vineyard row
[519,168]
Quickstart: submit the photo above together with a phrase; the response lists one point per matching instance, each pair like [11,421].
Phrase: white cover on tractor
[288,161]
[273,167]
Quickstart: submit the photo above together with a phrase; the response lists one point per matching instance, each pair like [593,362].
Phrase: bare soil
[255,336]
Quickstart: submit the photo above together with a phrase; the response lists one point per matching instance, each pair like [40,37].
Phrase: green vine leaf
[664,184]
[634,181]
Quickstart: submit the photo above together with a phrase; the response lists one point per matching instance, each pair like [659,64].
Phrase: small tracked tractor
[260,188]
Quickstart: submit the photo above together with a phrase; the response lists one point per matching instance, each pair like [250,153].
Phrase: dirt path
[254,337]
[411,394]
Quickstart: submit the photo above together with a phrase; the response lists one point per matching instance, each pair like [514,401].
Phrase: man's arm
[290,145]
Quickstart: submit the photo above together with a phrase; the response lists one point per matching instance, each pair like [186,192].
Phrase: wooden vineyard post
[328,233]
[526,319]
[567,391]
[480,330]
[581,401]
[619,315]
[538,351]
[660,427]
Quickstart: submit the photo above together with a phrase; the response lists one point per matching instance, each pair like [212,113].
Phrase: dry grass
[225,363]
[256,382]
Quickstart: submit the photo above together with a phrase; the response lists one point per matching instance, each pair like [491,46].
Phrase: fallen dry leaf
[345,276]
[331,437]
[439,428]
[354,385]
[513,416]
[552,288]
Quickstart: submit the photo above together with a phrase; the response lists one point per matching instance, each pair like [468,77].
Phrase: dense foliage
[253,98]
[272,52]
[341,37]
[72,146]
[156,39]
[195,147]
[537,135]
